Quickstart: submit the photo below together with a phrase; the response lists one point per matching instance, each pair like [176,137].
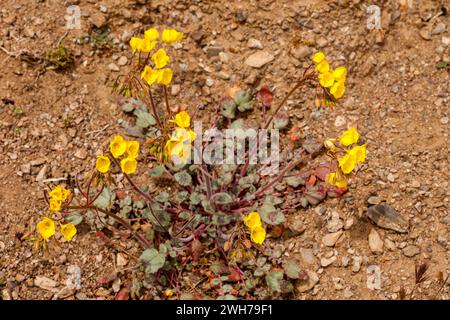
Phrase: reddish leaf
[335,192]
[311,180]
[265,96]
[123,294]
[106,279]
[234,276]
[321,172]
[277,231]
[227,246]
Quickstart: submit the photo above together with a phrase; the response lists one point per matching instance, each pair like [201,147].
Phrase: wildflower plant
[215,221]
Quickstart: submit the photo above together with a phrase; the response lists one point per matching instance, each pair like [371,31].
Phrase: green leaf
[292,269]
[221,219]
[271,199]
[162,197]
[270,215]
[157,171]
[242,97]
[228,109]
[221,198]
[144,119]
[183,178]
[105,199]
[194,198]
[180,197]
[281,120]
[312,146]
[74,217]
[443,64]
[315,194]
[245,106]
[153,260]
[274,279]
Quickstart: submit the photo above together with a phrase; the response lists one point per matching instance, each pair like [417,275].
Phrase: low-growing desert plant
[210,228]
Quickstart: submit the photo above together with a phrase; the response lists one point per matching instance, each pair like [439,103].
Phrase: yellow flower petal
[54,205]
[147,46]
[359,153]
[128,165]
[68,231]
[57,193]
[337,179]
[135,43]
[151,34]
[46,228]
[102,164]
[318,57]
[132,149]
[165,76]
[182,119]
[340,73]
[258,235]
[171,35]
[160,58]
[338,90]
[323,66]
[252,220]
[117,146]
[349,137]
[347,163]
[149,75]
[326,79]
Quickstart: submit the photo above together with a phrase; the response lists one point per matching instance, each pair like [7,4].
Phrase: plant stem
[166,96]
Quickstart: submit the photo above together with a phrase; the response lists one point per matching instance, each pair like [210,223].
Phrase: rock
[356,264]
[103,8]
[253,43]
[348,223]
[122,61]
[64,293]
[391,177]
[113,67]
[322,42]
[375,242]
[340,121]
[81,154]
[301,52]
[325,262]
[259,59]
[2,246]
[373,277]
[335,223]
[6,295]
[45,283]
[121,260]
[12,155]
[425,33]
[411,251]
[308,284]
[444,120]
[330,239]
[20,277]
[374,200]
[38,162]
[97,19]
[442,241]
[307,257]
[390,245]
[25,168]
[439,28]
[41,175]
[445,40]
[415,184]
[386,217]
[175,89]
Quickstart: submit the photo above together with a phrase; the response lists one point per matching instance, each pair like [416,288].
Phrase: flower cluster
[179,146]
[257,232]
[159,73]
[57,196]
[118,147]
[46,228]
[348,162]
[333,81]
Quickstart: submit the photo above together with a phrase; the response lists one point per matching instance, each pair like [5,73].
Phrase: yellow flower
[165,76]
[68,231]
[252,220]
[66,193]
[102,164]
[132,149]
[258,234]
[151,34]
[142,45]
[323,66]
[359,153]
[128,165]
[318,57]
[182,119]
[338,89]
[57,193]
[160,58]
[171,36]
[168,293]
[326,79]
[349,137]
[54,205]
[46,228]
[347,163]
[149,75]
[192,135]
[337,179]
[179,147]
[118,146]
[340,73]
